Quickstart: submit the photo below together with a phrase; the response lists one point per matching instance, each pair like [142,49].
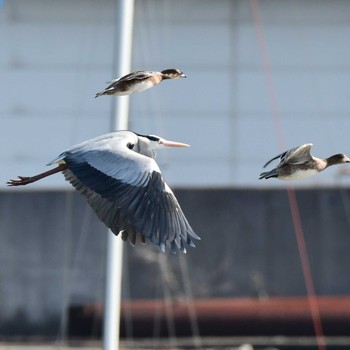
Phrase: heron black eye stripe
[152,138]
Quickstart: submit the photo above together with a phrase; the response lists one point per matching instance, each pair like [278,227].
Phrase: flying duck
[139,81]
[298,163]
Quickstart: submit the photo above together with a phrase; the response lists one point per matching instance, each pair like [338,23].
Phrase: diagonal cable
[293,204]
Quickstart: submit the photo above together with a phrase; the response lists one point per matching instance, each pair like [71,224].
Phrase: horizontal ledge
[227,316]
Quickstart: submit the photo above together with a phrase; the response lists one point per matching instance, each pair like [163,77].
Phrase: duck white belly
[299,174]
[142,86]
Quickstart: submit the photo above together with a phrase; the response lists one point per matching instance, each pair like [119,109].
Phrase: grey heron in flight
[298,163]
[122,183]
[139,81]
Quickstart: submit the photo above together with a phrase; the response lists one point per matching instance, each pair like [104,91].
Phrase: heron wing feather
[145,206]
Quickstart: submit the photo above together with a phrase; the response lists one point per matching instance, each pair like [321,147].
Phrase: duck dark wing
[130,196]
[139,75]
[282,155]
[298,155]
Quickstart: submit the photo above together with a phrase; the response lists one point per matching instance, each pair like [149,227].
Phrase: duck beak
[173,144]
[183,75]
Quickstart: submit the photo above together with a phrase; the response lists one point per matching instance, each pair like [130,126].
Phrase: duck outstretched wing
[138,75]
[296,155]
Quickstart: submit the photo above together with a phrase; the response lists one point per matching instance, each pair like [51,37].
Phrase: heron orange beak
[173,144]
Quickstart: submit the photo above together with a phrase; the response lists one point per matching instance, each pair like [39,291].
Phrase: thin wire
[192,312]
[315,311]
[126,292]
[293,204]
[313,76]
[82,239]
[71,260]
[157,43]
[157,315]
[268,75]
[88,40]
[169,312]
[66,277]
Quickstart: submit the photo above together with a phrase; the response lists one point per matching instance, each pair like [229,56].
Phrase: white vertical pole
[123,49]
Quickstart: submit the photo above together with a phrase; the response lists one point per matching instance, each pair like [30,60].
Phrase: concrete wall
[52,253]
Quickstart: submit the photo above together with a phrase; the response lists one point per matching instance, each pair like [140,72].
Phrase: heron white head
[148,144]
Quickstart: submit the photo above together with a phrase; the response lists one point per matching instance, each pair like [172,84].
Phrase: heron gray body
[122,183]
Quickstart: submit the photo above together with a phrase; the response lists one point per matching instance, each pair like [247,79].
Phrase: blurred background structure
[263,76]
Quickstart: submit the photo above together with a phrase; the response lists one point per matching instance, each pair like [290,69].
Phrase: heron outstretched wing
[128,193]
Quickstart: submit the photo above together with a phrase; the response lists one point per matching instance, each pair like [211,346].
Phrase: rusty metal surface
[227,317]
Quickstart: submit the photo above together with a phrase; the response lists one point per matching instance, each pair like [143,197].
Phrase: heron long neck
[145,148]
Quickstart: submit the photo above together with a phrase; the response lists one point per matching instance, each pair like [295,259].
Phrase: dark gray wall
[52,252]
